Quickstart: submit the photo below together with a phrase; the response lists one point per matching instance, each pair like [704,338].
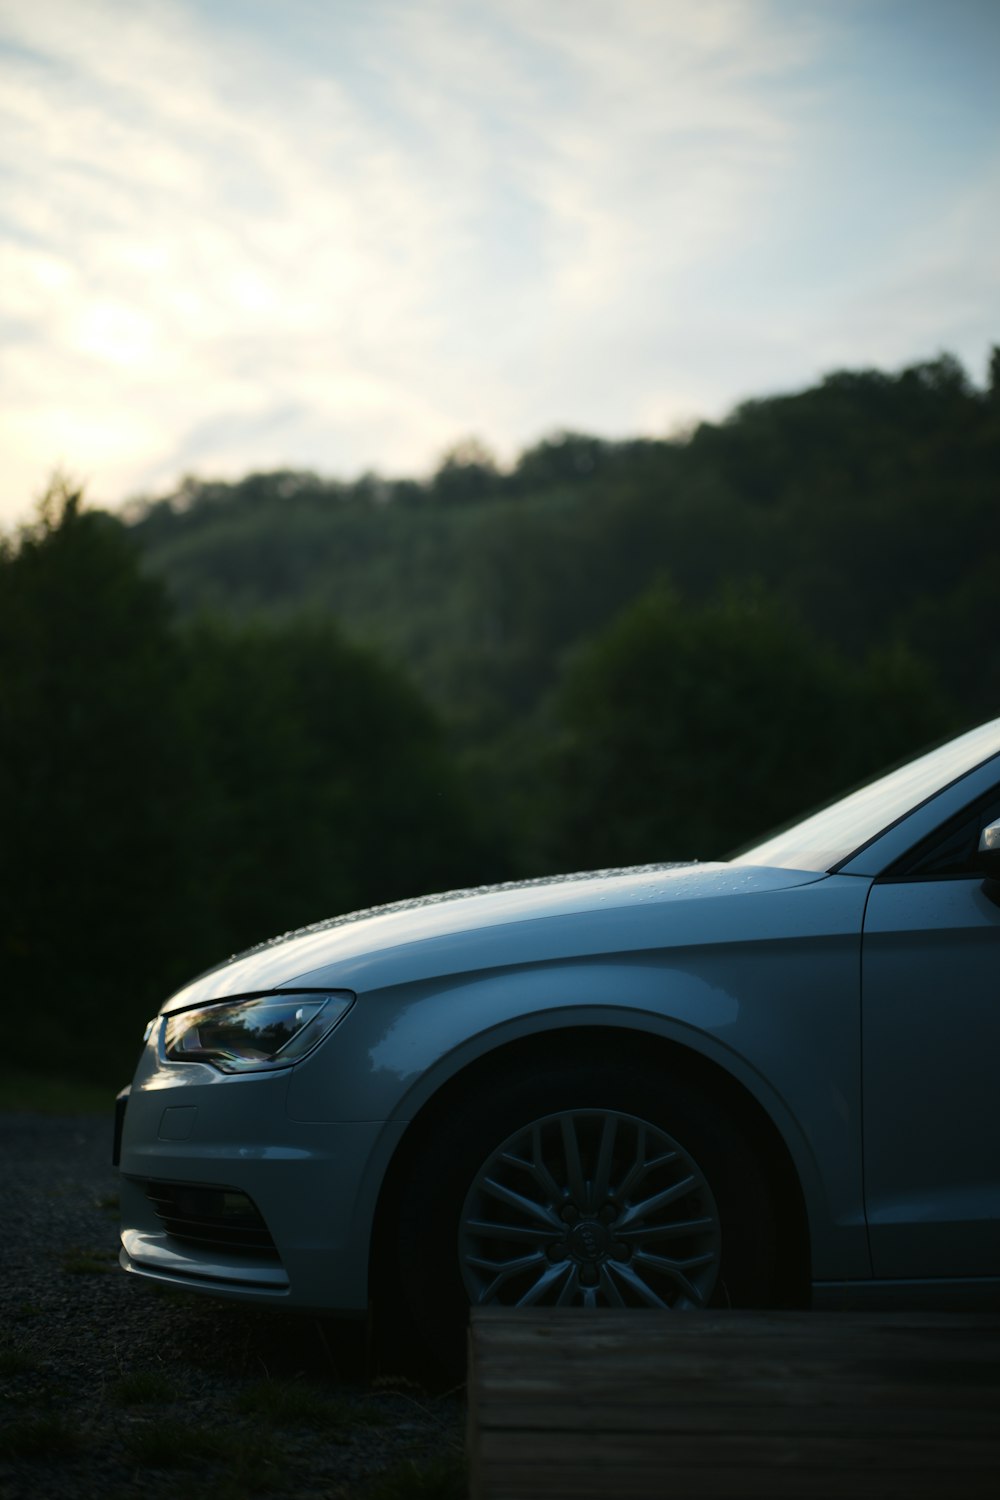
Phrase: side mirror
[988,853]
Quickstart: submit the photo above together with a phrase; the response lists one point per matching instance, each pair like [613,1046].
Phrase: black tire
[708,1240]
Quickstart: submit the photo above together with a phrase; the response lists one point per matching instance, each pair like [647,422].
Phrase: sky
[345,235]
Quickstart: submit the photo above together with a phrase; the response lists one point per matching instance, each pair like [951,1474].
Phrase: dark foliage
[868,505]
[691,730]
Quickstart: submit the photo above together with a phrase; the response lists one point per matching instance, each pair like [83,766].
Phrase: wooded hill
[807,588]
[866,508]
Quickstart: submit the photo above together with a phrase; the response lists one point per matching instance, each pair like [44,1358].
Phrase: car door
[930,1056]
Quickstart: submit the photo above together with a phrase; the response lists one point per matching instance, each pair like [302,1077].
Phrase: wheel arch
[601,1043]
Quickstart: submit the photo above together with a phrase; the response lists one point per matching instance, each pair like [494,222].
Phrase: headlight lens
[246,1036]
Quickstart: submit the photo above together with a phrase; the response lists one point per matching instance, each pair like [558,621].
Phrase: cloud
[343,236]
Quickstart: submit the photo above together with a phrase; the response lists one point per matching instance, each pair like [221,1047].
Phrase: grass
[440,1479]
[170,1445]
[39,1437]
[37,1093]
[143,1388]
[293,1403]
[15,1360]
[247,1458]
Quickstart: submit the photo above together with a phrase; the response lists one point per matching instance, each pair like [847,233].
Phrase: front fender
[781,1019]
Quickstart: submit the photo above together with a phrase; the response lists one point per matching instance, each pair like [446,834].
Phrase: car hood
[531,921]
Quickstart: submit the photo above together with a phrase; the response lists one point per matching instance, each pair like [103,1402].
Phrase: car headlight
[244,1036]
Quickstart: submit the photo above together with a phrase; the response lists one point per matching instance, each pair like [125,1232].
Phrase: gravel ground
[112,1388]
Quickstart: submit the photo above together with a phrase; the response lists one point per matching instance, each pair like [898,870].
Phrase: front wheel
[590,1208]
[582,1185]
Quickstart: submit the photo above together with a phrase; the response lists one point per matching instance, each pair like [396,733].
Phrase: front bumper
[315,1186]
[153,1256]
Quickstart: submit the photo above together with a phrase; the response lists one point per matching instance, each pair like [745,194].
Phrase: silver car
[767,1082]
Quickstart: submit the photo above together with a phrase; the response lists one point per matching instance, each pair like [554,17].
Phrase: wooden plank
[817,1405]
[623,1477]
[772,1419]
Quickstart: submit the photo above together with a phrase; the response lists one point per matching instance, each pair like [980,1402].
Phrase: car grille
[212,1218]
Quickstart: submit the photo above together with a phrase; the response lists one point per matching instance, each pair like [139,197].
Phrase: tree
[684,732]
[468,471]
[330,785]
[563,457]
[94,761]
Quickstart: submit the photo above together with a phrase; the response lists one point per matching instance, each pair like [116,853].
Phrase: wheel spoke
[545,1178]
[678,1229]
[638,1167]
[647,1206]
[525,1233]
[574,1168]
[609,1286]
[642,1166]
[671,1266]
[505,1271]
[508,1267]
[527,1206]
[569,1288]
[675,1271]
[548,1278]
[536,1169]
[605,1157]
[642,1291]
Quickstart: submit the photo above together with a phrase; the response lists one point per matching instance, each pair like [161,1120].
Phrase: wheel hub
[590,1242]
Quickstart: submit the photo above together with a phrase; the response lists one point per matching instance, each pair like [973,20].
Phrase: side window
[951,850]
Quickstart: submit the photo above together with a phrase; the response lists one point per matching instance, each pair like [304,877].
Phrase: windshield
[827,837]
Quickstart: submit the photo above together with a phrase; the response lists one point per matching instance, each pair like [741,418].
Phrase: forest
[244,706]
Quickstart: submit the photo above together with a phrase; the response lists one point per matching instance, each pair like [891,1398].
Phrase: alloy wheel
[590,1208]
